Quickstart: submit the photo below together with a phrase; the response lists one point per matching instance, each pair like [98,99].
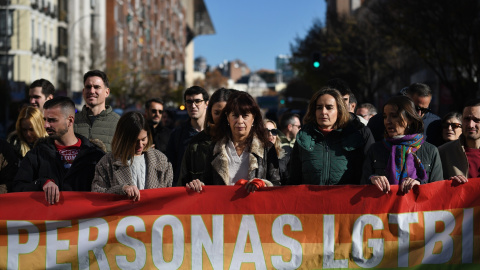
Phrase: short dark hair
[340,85]
[96,73]
[195,90]
[150,101]
[473,103]
[451,115]
[419,89]
[66,103]
[406,109]
[220,95]
[47,87]
[352,99]
[286,119]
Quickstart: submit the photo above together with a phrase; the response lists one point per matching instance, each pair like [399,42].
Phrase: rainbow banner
[434,226]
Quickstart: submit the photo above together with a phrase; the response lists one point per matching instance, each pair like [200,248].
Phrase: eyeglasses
[453,125]
[421,109]
[274,131]
[155,111]
[196,101]
[299,126]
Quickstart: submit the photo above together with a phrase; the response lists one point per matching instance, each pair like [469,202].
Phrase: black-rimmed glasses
[155,111]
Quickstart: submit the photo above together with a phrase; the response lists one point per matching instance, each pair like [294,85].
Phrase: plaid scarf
[403,162]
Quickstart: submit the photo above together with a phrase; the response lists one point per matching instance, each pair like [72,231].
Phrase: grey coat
[378,156]
[111,175]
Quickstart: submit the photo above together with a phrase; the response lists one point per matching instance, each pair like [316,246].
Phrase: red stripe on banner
[303,199]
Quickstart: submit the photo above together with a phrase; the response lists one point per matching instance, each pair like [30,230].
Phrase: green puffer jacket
[334,159]
[102,128]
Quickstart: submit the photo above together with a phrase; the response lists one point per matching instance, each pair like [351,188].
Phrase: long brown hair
[406,108]
[241,103]
[343,116]
[126,135]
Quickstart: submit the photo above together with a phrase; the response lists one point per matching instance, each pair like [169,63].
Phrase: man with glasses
[421,95]
[160,133]
[461,158]
[289,127]
[96,120]
[196,102]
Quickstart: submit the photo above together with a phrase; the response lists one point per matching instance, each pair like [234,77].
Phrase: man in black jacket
[64,161]
[160,133]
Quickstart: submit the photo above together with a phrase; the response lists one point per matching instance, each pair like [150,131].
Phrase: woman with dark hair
[29,127]
[133,164]
[403,157]
[240,148]
[330,147]
[194,159]
[451,126]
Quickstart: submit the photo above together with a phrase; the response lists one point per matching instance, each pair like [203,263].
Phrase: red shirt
[473,157]
[68,153]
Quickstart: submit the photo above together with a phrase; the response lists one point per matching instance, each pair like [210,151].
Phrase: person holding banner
[331,145]
[403,157]
[194,159]
[461,158]
[240,149]
[133,164]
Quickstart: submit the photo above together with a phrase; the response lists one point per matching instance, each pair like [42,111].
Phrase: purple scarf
[403,162]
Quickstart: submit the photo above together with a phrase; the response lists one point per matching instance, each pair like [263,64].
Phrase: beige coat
[111,175]
[454,159]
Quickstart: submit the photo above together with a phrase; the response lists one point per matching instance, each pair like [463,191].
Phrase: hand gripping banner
[434,226]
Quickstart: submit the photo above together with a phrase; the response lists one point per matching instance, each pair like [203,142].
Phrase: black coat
[43,163]
[8,164]
[160,136]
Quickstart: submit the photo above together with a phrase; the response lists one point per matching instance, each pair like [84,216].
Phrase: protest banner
[434,226]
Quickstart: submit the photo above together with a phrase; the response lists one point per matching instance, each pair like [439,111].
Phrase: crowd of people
[227,141]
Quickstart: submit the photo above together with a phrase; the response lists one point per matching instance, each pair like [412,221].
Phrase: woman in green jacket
[403,157]
[330,147]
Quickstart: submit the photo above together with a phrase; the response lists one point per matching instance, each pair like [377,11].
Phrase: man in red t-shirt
[461,158]
[64,161]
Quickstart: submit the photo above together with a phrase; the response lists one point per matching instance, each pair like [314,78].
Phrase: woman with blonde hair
[133,164]
[283,157]
[29,127]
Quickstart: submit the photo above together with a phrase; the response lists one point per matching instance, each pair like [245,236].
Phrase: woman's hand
[381,182]
[132,192]
[254,184]
[407,184]
[196,185]
[459,179]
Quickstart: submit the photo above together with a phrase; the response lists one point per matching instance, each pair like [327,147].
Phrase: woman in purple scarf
[403,157]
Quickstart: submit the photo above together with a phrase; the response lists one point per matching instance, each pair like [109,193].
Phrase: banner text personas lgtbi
[435,226]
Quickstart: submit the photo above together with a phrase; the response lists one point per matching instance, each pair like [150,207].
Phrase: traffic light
[316,59]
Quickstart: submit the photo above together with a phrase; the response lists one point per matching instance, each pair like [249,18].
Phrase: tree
[213,81]
[444,34]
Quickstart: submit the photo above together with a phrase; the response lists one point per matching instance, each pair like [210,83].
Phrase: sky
[256,31]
